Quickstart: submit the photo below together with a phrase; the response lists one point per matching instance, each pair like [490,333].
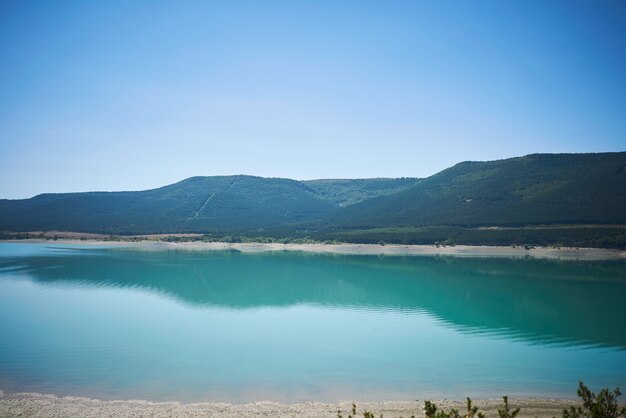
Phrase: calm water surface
[225,326]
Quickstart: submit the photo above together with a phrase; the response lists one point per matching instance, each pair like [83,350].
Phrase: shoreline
[44,406]
[560,253]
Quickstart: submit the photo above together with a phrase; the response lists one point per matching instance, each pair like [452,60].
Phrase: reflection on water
[538,300]
[521,302]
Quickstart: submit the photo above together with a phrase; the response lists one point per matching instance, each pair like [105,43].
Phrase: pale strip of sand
[48,406]
[561,253]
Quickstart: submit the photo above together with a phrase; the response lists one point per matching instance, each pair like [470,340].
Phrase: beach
[48,406]
[559,253]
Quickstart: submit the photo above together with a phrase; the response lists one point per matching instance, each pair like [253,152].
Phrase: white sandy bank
[48,406]
[564,253]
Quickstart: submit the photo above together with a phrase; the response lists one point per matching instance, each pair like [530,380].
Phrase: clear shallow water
[226,326]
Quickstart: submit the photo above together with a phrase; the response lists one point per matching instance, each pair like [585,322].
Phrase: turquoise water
[225,326]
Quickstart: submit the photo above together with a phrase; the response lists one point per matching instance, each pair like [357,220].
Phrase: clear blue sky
[127,95]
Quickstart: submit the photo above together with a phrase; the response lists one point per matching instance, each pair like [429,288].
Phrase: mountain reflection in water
[539,301]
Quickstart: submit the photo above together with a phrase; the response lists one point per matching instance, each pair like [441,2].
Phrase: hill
[535,189]
[218,204]
[556,199]
[346,192]
[227,204]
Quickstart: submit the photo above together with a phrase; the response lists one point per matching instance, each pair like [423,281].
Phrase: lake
[118,323]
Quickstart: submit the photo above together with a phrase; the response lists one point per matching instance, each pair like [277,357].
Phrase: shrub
[506,412]
[430,410]
[603,405]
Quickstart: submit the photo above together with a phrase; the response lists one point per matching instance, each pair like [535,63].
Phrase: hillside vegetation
[219,204]
[346,192]
[535,189]
[203,204]
[541,199]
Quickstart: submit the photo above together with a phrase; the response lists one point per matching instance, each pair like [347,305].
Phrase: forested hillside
[577,199]
[346,192]
[198,204]
[535,189]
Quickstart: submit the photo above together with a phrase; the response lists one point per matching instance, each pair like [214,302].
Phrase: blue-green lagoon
[122,323]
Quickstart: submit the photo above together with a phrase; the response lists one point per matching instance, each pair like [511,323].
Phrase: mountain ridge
[468,194]
[514,192]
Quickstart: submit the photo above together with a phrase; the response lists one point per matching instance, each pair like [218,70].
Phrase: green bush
[602,405]
[430,410]
[506,412]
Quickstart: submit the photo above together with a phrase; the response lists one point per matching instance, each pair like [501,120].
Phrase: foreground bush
[602,405]
[430,409]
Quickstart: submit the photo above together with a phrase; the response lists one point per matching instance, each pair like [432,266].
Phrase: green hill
[570,199]
[346,192]
[535,189]
[219,204]
[199,204]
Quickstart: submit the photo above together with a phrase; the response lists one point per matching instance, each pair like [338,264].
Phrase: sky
[131,95]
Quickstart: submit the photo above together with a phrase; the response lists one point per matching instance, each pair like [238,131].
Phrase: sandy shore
[45,406]
[563,253]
